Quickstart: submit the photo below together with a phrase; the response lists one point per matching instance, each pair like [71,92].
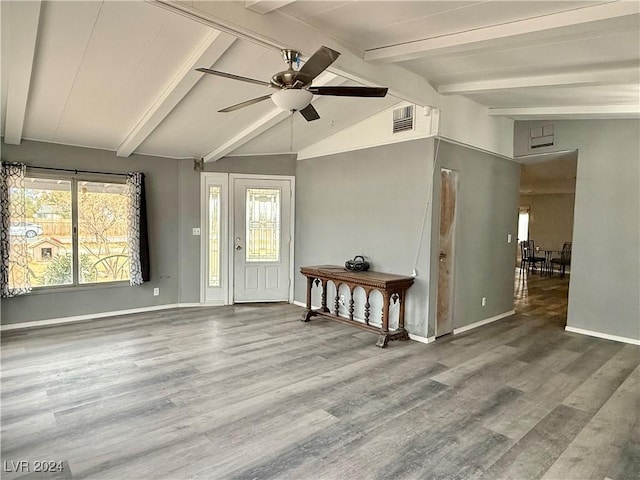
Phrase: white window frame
[221,179]
[75,244]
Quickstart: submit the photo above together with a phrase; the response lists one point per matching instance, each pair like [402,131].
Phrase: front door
[446,251]
[261,239]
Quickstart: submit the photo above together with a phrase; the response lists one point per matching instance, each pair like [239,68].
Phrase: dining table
[548,253]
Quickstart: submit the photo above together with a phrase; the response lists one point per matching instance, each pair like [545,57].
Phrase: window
[214,236]
[523,224]
[263,225]
[76,231]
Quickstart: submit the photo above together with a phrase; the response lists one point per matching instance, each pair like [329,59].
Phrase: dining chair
[529,258]
[564,260]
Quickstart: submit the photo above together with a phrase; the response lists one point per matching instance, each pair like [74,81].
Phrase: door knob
[442,256]
[238,247]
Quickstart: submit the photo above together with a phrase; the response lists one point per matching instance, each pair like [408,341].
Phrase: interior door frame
[231,227]
[452,282]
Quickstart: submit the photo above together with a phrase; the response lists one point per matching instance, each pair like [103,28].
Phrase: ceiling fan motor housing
[291,79]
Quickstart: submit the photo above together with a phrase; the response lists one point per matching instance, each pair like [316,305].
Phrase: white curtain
[14,269]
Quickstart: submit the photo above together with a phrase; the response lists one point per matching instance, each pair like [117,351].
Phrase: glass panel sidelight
[214,236]
[263,225]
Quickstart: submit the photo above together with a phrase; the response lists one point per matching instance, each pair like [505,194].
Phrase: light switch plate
[196,231]
[509,238]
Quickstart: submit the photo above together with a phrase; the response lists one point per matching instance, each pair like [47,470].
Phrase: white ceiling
[120,75]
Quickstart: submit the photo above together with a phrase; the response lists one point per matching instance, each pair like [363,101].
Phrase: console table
[392,287]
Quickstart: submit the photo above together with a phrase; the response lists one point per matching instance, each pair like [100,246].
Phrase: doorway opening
[545,221]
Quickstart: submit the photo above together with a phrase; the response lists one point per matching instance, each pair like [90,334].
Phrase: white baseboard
[115,313]
[606,336]
[420,339]
[80,318]
[483,322]
[300,304]
[217,303]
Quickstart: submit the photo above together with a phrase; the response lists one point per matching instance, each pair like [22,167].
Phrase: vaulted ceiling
[121,75]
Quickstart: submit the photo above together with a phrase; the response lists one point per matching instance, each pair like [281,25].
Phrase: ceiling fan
[295,91]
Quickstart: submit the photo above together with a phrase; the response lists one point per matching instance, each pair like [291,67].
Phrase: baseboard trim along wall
[420,339]
[79,318]
[91,316]
[483,322]
[605,336]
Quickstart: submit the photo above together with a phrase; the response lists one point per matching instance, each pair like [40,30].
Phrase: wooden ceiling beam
[568,111]
[614,76]
[207,54]
[23,20]
[574,21]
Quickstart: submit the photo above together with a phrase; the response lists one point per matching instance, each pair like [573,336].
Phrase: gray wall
[162,209]
[605,264]
[189,185]
[369,202]
[487,211]
[550,218]
[372,202]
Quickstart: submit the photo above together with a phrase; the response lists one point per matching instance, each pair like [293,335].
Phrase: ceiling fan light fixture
[292,99]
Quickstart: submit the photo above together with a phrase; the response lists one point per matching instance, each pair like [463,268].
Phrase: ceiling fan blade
[309,113]
[233,77]
[244,104]
[350,91]
[319,61]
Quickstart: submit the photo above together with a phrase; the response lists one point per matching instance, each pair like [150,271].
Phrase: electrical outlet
[156,292]
[484,301]
[196,231]
[342,300]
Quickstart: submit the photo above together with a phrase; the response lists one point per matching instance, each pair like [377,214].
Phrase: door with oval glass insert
[261,240]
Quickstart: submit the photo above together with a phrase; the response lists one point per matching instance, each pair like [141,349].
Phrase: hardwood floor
[249,392]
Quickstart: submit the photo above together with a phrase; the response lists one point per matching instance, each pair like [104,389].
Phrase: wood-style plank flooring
[250,392]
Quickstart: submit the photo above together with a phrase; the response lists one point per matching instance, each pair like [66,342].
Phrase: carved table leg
[403,333]
[309,287]
[383,338]
[324,296]
[308,313]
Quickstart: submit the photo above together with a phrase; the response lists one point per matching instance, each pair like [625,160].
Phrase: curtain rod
[76,171]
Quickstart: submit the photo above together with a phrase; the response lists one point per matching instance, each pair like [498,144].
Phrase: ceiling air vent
[403,119]
[541,137]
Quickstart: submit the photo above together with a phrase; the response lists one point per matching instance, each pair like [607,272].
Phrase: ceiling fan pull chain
[291,129]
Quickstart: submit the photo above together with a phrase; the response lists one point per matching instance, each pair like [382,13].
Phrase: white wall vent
[541,136]
[403,119]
